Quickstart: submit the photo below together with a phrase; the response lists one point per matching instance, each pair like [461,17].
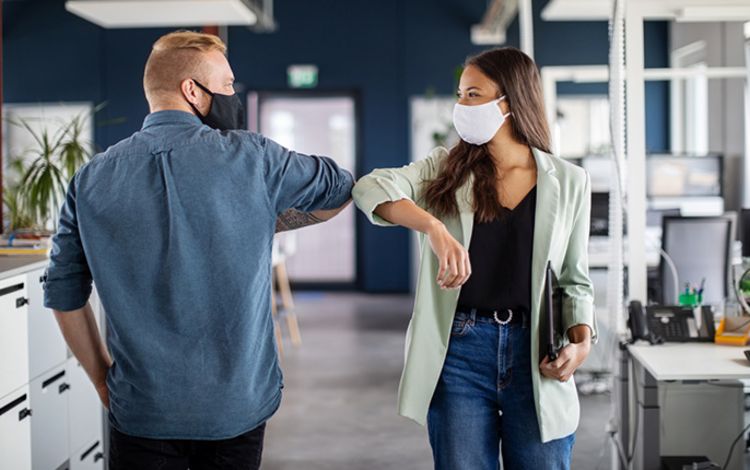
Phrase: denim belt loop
[526,319]
[473,316]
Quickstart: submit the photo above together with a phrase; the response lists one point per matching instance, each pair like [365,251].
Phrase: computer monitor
[599,225]
[745,231]
[700,248]
[684,176]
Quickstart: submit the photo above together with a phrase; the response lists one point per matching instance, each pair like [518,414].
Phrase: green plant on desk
[745,286]
[35,192]
[742,291]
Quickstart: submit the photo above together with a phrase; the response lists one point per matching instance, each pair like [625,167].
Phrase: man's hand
[571,356]
[453,258]
[83,338]
[103,392]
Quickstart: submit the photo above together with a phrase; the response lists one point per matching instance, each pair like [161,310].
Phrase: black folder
[552,321]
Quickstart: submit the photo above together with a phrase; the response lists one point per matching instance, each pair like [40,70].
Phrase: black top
[500,254]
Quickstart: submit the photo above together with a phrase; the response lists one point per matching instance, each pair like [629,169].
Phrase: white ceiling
[162,13]
[678,10]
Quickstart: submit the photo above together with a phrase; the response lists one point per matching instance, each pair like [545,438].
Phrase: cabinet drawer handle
[89,451]
[23,414]
[11,289]
[21,301]
[53,379]
[63,387]
[13,404]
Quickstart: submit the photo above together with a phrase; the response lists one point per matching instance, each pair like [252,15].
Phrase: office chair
[700,247]
[284,246]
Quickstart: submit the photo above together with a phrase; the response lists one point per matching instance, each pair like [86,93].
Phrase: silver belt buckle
[503,322]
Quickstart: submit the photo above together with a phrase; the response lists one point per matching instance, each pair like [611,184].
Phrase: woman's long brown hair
[517,76]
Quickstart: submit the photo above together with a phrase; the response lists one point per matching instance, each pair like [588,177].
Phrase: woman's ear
[503,104]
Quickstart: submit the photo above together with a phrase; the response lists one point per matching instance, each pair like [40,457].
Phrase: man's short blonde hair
[175,57]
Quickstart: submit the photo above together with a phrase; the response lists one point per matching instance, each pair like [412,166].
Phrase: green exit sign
[302,76]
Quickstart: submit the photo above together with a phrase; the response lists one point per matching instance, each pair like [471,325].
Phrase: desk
[671,361]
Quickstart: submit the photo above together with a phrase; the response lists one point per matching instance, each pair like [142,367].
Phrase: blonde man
[175,225]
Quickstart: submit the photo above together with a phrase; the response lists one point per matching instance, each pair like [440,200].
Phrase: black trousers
[136,453]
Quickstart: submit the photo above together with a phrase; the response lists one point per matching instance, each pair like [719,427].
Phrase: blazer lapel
[547,200]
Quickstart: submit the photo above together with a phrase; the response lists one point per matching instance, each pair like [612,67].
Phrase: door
[85,409]
[14,342]
[317,124]
[15,430]
[89,457]
[49,424]
[46,343]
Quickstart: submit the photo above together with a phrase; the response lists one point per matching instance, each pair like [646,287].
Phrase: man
[175,225]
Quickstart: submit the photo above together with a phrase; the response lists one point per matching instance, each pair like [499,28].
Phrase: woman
[473,367]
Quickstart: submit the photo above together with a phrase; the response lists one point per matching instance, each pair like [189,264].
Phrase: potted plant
[39,177]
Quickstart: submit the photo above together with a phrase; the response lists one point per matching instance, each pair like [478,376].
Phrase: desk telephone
[670,323]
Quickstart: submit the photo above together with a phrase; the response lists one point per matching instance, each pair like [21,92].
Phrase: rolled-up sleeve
[68,280]
[578,307]
[394,184]
[304,182]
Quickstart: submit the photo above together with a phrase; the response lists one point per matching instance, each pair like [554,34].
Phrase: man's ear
[189,91]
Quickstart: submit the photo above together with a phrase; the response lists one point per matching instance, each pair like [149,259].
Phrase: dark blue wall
[385,51]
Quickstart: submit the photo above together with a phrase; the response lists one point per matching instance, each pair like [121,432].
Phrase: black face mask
[226,111]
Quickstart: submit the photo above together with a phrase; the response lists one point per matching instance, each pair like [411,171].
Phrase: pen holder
[690,300]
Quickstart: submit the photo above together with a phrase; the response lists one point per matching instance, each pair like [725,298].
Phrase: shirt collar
[171,116]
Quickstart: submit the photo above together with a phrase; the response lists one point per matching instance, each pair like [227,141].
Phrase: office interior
[651,97]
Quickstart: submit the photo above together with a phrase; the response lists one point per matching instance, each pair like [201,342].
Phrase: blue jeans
[485,397]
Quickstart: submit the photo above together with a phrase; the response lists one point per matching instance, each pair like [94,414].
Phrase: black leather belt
[503,316]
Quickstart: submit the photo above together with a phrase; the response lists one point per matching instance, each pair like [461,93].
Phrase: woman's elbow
[328,214]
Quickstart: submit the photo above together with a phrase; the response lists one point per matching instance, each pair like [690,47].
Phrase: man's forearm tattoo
[293,219]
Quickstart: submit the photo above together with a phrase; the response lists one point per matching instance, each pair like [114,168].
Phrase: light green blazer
[561,232]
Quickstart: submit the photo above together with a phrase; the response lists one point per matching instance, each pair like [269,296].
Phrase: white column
[526,24]
[746,165]
[549,89]
[636,152]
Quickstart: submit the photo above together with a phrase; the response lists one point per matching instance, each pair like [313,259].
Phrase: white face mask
[478,124]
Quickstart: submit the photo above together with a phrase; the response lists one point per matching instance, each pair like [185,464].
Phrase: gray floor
[339,408]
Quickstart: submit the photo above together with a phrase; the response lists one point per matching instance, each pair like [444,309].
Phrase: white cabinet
[89,457]
[15,430]
[702,419]
[47,347]
[49,422]
[14,334]
[85,408]
[50,414]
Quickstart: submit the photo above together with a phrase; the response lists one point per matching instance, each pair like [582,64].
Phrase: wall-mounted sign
[302,76]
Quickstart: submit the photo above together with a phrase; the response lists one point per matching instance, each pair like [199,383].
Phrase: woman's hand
[570,357]
[453,258]
[455,267]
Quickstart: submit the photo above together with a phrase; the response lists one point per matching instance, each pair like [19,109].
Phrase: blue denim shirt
[174,225]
